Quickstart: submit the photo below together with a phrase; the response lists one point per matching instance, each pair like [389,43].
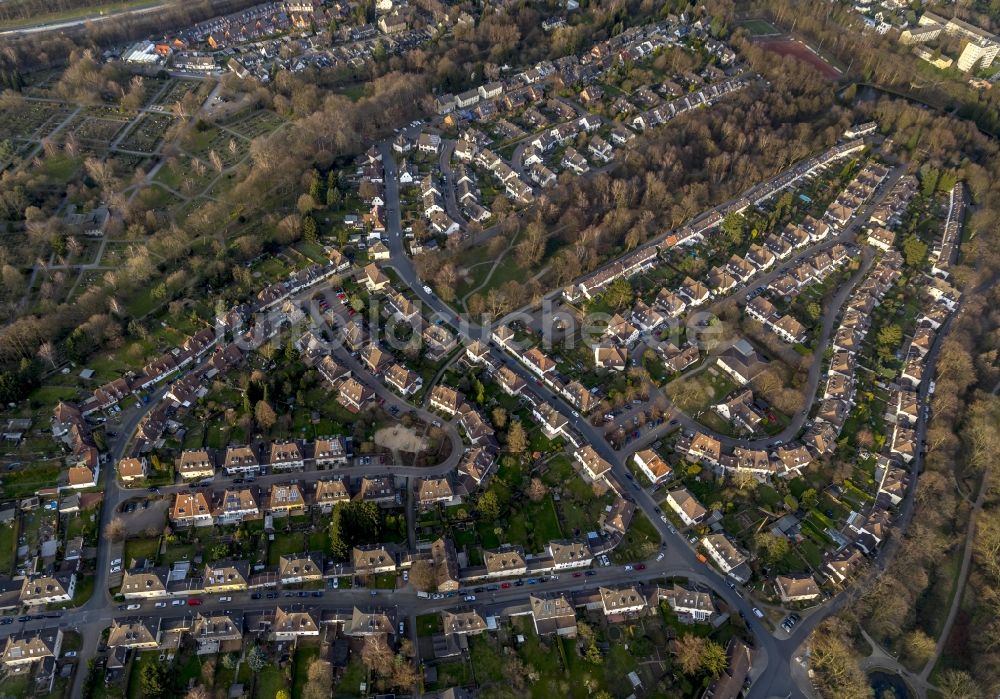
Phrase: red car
[577,574]
[194,602]
[504,586]
[640,566]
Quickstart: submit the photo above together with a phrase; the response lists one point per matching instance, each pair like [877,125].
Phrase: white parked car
[427,289]
[133,606]
[757,613]
[177,603]
[225,599]
[159,605]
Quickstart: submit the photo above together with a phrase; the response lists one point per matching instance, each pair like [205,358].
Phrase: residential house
[294,569]
[652,465]
[144,584]
[509,381]
[330,493]
[844,565]
[505,561]
[796,588]
[291,624]
[241,460]
[621,601]
[686,506]
[593,465]
[431,491]
[538,362]
[329,451]
[690,606]
[132,469]
[217,632]
[617,517]
[373,560]
[374,278]
[477,429]
[569,554]
[621,331]
[445,560]
[904,442]
[237,505]
[553,615]
[286,456]
[727,556]
[26,647]
[353,395]
[135,634]
[226,576]
[403,380]
[378,489]
[446,399]
[285,499]
[705,448]
[44,589]
[647,318]
[610,356]
[191,510]
[194,464]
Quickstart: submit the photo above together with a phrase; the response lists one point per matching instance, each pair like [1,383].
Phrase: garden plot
[254,124]
[147,134]
[32,120]
[94,132]
[229,147]
[176,92]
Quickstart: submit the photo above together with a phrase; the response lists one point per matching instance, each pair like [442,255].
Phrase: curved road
[90,19]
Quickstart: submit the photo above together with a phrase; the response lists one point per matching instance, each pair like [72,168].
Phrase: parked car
[757,613]
[225,599]
[194,602]
[470,598]
[132,607]
[177,603]
[159,605]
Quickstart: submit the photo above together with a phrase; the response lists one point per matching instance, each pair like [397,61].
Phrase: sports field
[760,27]
[798,50]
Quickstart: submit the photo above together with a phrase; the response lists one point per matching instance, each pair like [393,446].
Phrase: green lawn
[428,625]
[8,548]
[269,682]
[350,681]
[25,481]
[147,548]
[639,543]
[282,545]
[303,657]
